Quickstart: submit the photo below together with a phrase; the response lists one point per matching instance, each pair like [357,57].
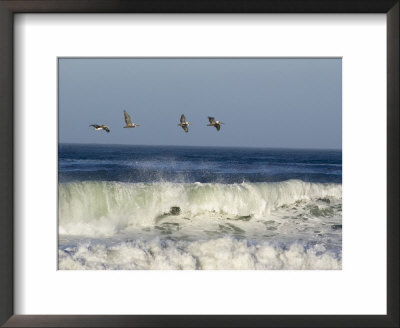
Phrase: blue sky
[264,102]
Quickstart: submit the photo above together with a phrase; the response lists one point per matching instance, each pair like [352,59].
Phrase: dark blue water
[125,163]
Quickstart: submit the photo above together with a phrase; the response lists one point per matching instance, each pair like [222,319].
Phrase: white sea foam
[111,208]
[285,225]
[221,253]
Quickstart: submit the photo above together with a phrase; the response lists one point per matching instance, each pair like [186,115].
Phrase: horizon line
[200,146]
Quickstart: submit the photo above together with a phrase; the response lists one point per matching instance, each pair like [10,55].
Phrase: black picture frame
[10,7]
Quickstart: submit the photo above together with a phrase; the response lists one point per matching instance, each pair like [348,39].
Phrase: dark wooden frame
[7,10]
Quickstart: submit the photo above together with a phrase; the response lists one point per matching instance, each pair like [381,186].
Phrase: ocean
[125,207]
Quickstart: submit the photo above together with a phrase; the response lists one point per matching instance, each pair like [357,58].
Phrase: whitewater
[179,226]
[178,219]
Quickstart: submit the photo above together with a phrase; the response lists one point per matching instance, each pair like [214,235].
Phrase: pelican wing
[105,127]
[218,127]
[184,127]
[211,119]
[127,118]
[183,119]
[94,125]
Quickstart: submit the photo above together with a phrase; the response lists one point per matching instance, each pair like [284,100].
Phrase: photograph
[199,163]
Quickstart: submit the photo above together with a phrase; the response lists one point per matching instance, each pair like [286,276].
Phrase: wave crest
[109,207]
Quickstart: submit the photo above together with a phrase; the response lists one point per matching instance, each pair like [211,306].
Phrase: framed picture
[195,160]
[169,193]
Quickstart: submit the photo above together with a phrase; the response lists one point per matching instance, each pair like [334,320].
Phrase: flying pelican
[217,124]
[184,124]
[100,127]
[128,121]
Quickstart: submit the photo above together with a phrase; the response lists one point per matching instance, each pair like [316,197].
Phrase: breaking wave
[108,208]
